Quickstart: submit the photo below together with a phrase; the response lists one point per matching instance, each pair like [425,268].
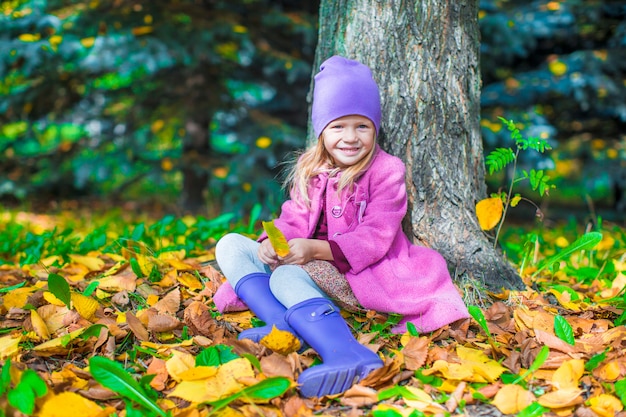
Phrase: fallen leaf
[9,345]
[415,352]
[605,405]
[568,374]
[91,262]
[85,306]
[70,404]
[281,341]
[511,399]
[135,325]
[561,398]
[39,326]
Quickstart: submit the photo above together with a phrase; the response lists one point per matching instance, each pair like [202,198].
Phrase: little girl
[346,243]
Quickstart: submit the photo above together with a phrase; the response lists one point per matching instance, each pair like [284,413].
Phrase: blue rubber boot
[254,290]
[345,361]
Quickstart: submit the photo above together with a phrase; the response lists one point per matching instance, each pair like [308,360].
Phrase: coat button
[336,211]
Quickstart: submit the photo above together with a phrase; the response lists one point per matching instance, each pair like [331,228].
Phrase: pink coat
[388,273]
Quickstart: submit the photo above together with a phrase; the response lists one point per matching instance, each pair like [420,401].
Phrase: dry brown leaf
[124,280]
[561,398]
[279,365]
[170,303]
[136,327]
[163,323]
[359,396]
[415,352]
[199,319]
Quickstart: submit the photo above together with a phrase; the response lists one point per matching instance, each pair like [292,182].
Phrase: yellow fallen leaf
[452,371]
[605,405]
[190,281]
[52,299]
[281,341]
[423,402]
[39,326]
[179,265]
[561,398]
[609,372]
[179,363]
[199,372]
[195,391]
[85,306]
[568,374]
[57,346]
[277,239]
[489,212]
[146,263]
[70,404]
[91,262]
[511,399]
[9,346]
[17,297]
[225,382]
[480,363]
[179,255]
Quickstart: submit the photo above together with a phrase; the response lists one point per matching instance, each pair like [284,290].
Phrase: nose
[350,135]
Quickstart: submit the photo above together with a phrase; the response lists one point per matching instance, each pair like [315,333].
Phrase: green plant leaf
[587,241]
[111,375]
[215,356]
[478,315]
[263,391]
[563,330]
[134,265]
[59,287]
[595,360]
[255,214]
[5,377]
[13,287]
[30,387]
[410,327]
[533,410]
[91,288]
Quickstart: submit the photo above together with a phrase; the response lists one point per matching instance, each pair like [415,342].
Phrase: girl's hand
[302,251]
[267,254]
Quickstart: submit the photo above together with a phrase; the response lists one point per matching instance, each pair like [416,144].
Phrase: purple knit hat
[344,87]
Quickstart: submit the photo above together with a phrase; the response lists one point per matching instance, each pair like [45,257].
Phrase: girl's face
[349,139]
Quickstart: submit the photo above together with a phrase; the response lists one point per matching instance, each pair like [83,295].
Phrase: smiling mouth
[350,150]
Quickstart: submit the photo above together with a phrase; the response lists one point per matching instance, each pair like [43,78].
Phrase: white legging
[237,257]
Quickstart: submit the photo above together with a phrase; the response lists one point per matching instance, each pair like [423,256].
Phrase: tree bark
[425,57]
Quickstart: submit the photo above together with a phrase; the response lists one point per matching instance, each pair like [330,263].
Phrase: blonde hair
[316,160]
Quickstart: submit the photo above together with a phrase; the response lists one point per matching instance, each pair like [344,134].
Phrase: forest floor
[107,314]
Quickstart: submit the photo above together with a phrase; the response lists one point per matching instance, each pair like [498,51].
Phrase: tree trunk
[425,57]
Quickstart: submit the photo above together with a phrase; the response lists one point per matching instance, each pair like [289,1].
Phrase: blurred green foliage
[200,100]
